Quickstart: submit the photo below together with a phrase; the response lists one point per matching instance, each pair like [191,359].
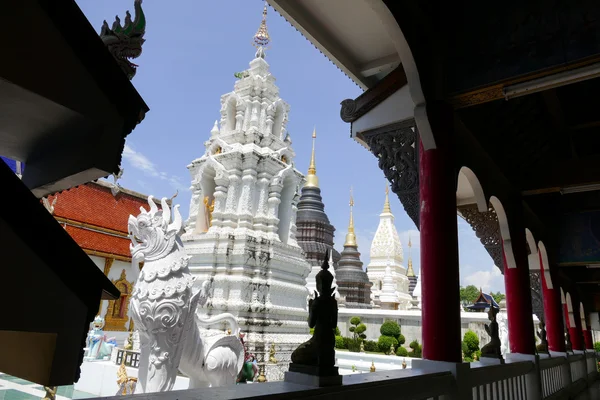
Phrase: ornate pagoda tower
[386,250]
[353,282]
[242,225]
[314,231]
[410,272]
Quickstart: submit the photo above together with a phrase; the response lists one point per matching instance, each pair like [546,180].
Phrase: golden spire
[410,271]
[261,37]
[351,237]
[311,179]
[386,205]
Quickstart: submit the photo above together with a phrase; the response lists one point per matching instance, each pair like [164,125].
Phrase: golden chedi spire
[386,205]
[261,37]
[410,271]
[311,179]
[351,237]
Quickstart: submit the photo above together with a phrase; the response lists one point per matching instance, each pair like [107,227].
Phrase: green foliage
[339,342]
[354,345]
[401,351]
[358,329]
[371,345]
[401,339]
[417,350]
[312,331]
[597,346]
[469,294]
[498,297]
[390,328]
[471,343]
[337,331]
[385,342]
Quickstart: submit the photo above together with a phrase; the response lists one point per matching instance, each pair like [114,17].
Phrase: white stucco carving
[248,251]
[163,304]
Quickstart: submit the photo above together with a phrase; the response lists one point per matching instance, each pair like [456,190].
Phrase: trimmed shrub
[354,345]
[470,344]
[390,328]
[597,346]
[417,350]
[385,342]
[371,345]
[401,339]
[401,351]
[357,328]
[339,342]
[337,331]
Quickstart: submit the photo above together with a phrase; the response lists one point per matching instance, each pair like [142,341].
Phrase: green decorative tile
[16,380]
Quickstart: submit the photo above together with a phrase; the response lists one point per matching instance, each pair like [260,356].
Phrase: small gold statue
[272,358]
[372,369]
[50,393]
[129,344]
[262,378]
[362,347]
[209,207]
[126,383]
[404,363]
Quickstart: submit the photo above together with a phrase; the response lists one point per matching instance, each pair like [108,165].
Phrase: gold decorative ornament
[410,271]
[218,150]
[209,207]
[129,344]
[261,37]
[108,262]
[311,178]
[117,312]
[284,159]
[262,378]
[126,383]
[351,237]
[50,393]
[372,369]
[404,363]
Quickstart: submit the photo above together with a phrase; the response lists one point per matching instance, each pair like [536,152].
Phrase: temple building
[386,251]
[314,231]
[353,283]
[241,233]
[95,215]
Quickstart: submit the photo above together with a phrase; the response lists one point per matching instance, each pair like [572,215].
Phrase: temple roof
[483,301]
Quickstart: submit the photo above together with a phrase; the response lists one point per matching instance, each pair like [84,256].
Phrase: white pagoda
[241,230]
[387,252]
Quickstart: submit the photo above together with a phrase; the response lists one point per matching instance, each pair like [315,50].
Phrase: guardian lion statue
[164,303]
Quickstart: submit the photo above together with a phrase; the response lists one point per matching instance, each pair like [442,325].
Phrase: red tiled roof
[98,241]
[95,205]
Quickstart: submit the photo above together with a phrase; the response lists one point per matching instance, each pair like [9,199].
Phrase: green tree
[358,329]
[498,297]
[469,294]
[417,350]
[470,345]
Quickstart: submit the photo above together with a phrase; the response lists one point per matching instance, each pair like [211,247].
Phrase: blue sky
[192,50]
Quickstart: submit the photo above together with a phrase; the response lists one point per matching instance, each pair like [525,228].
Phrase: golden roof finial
[351,237]
[261,37]
[386,205]
[410,271]
[311,179]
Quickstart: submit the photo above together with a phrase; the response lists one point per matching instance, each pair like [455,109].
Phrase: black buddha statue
[319,351]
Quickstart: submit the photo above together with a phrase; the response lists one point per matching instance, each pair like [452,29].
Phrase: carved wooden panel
[487,230]
[396,148]
[537,299]
[117,312]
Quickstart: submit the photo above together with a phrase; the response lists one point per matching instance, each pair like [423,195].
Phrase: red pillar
[575,331]
[555,331]
[587,336]
[518,295]
[439,242]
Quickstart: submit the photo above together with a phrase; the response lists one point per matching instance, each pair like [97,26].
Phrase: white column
[221,189]
[230,215]
[194,206]
[247,198]
[273,210]
[260,212]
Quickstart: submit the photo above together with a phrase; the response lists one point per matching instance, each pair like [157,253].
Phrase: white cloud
[139,161]
[487,280]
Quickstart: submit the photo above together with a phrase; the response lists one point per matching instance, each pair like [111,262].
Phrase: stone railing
[526,377]
[592,366]
[362,362]
[555,375]
[508,381]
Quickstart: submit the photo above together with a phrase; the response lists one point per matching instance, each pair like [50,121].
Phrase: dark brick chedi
[352,280]
[314,231]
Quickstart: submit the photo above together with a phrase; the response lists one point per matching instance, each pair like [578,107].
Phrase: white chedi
[388,296]
[241,233]
[164,302]
[386,250]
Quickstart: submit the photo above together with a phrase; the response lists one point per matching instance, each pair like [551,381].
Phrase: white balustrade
[556,377]
[507,381]
[592,366]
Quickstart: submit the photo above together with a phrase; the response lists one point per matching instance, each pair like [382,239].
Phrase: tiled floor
[592,393]
[12,388]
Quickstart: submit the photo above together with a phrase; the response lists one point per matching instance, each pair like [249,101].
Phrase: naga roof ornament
[125,42]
